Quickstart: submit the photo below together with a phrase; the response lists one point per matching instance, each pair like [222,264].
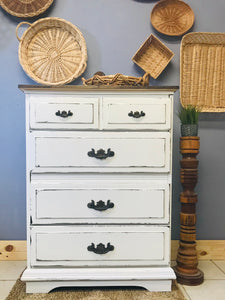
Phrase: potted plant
[189,120]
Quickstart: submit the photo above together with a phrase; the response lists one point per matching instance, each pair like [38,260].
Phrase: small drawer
[134,113]
[98,151]
[99,246]
[140,203]
[79,114]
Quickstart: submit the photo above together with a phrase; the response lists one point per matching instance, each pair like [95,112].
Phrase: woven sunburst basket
[25,8]
[52,51]
[172,17]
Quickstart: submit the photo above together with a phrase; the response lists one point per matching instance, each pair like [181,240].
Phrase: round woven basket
[25,8]
[172,17]
[52,51]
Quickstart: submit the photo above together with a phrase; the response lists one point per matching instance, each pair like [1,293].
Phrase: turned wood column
[186,269]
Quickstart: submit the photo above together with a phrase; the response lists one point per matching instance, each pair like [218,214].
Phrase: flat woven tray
[202,71]
[153,56]
[117,80]
[25,8]
[172,17]
[52,51]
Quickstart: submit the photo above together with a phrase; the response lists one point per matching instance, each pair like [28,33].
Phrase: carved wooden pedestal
[186,269]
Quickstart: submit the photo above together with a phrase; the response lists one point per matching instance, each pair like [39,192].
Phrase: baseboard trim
[13,250]
[206,250]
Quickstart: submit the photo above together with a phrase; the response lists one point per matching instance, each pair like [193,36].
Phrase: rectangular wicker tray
[202,71]
[153,56]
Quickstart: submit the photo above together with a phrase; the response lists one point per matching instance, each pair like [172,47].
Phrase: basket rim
[26,15]
[113,75]
[157,5]
[82,65]
[186,37]
[184,42]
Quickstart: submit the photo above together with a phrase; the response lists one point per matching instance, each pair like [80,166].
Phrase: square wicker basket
[153,56]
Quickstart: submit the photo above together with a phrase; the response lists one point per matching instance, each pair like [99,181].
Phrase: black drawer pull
[100,248]
[101,154]
[136,114]
[100,205]
[64,114]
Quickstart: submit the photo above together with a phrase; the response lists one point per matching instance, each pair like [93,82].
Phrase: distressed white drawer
[137,203]
[137,113]
[99,246]
[144,151]
[62,114]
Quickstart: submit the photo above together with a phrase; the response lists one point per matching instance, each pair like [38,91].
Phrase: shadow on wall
[171,39]
[212,120]
[94,58]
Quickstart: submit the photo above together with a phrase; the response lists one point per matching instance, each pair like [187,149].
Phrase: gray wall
[114,30]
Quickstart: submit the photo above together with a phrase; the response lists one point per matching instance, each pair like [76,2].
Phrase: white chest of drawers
[98,187]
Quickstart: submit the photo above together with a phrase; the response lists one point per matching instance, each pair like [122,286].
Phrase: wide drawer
[99,246]
[132,113]
[129,151]
[81,113]
[100,202]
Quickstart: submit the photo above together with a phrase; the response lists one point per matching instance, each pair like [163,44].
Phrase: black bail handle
[100,154]
[100,205]
[136,114]
[100,248]
[64,114]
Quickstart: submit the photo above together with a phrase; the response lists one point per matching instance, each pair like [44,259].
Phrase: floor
[213,287]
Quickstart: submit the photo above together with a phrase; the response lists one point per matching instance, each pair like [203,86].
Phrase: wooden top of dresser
[96,88]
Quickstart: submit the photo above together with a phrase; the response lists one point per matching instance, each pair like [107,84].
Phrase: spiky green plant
[189,114]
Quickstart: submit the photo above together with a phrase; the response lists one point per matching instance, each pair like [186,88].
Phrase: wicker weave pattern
[172,17]
[153,56]
[52,51]
[25,8]
[117,80]
[202,79]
